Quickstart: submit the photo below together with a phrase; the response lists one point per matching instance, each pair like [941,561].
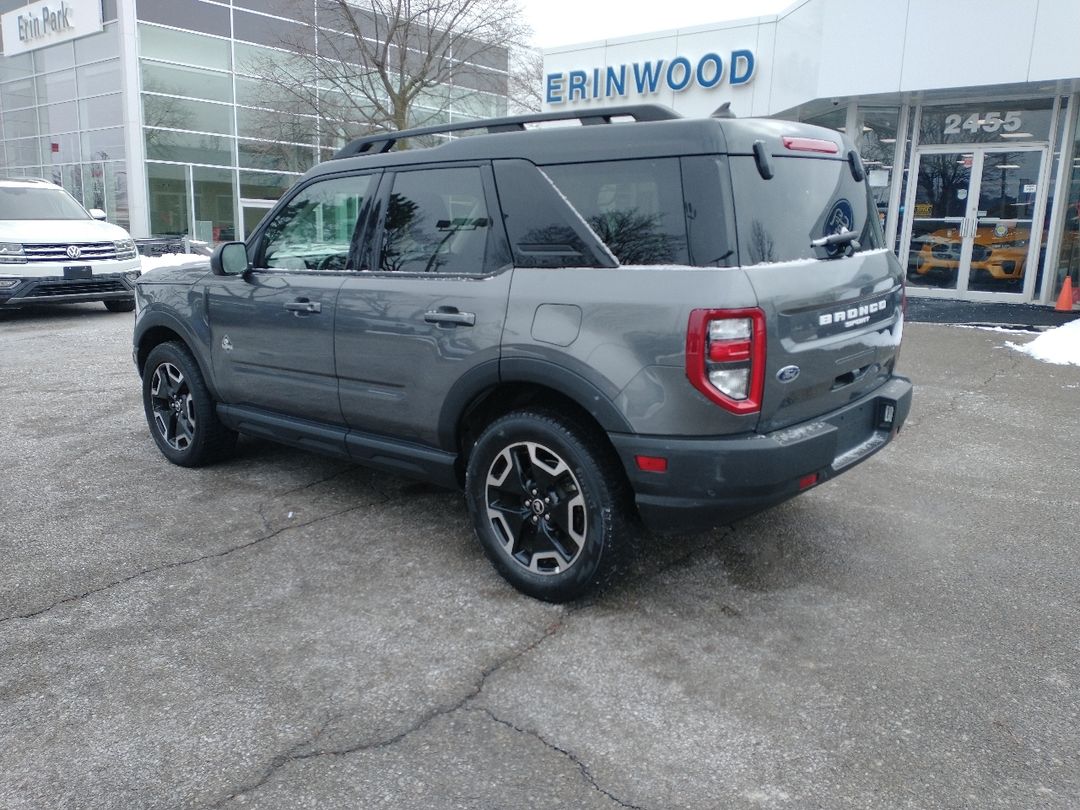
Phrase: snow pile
[170,260]
[1061,345]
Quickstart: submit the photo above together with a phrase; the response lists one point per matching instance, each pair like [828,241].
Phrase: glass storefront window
[997,122]
[215,209]
[55,57]
[61,148]
[264,185]
[179,46]
[102,77]
[188,147]
[274,156]
[104,144]
[19,66]
[833,119]
[19,93]
[98,46]
[178,113]
[1068,259]
[21,124]
[102,111]
[275,126]
[59,117]
[167,186]
[186,81]
[875,136]
[24,152]
[59,86]
[116,187]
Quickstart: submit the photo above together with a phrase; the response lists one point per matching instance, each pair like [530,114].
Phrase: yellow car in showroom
[998,255]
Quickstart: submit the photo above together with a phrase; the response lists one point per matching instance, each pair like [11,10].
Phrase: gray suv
[657,318]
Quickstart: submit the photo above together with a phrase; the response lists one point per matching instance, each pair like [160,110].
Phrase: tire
[180,410]
[577,539]
[120,306]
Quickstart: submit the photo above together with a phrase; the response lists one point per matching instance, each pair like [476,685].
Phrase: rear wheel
[120,306]
[180,410]
[549,504]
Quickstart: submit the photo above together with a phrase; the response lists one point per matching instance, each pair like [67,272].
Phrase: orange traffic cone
[1065,300]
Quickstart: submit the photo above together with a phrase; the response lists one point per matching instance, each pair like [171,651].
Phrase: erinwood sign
[48,22]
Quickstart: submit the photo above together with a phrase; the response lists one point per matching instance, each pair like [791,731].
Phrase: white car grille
[59,252]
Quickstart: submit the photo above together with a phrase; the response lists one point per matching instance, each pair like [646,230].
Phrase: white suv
[52,250]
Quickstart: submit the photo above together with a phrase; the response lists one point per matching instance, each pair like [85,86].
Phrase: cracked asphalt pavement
[285,630]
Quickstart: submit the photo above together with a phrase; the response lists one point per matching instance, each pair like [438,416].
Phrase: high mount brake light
[725,356]
[811,145]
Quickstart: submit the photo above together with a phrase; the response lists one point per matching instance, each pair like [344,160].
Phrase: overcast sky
[566,22]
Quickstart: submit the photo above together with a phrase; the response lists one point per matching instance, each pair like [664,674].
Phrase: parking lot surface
[284,630]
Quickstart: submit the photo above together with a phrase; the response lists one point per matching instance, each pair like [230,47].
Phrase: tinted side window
[314,231]
[635,206]
[436,221]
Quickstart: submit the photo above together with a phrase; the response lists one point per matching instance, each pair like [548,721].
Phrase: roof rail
[514,123]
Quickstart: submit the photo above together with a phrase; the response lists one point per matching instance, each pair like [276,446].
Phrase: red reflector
[729,351]
[808,481]
[651,463]
[810,145]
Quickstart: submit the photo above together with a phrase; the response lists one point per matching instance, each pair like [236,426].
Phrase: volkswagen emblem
[73,252]
[787,374]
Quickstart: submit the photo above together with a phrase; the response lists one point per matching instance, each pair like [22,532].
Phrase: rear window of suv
[634,206]
[23,202]
[806,198]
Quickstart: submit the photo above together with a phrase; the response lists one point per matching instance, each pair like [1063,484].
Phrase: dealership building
[153,110]
[965,114]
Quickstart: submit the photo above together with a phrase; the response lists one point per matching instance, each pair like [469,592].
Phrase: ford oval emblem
[787,374]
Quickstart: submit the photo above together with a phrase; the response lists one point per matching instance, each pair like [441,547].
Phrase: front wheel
[180,410]
[549,504]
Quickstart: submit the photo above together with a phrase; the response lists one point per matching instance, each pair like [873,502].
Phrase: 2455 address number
[986,122]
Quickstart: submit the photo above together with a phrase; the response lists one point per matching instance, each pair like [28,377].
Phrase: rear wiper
[844,237]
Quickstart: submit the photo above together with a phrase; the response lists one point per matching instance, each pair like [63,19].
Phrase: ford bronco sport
[681,320]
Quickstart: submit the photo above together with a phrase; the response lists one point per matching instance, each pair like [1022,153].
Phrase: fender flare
[527,370]
[158,318]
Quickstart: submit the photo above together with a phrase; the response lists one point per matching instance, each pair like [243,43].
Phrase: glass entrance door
[972,222]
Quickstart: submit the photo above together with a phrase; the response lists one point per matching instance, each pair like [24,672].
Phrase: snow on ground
[1060,345]
[170,260]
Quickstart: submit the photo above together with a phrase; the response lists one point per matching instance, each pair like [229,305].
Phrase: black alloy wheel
[549,504]
[180,410]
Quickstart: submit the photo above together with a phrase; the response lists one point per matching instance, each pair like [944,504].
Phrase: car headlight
[125,249]
[12,253]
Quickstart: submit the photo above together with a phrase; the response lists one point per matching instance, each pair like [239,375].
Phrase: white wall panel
[861,49]
[1056,54]
[965,43]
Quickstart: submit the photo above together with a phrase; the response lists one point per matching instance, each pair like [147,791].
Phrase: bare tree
[526,85]
[391,64]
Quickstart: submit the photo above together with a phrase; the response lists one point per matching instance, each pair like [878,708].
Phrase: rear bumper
[36,290]
[714,480]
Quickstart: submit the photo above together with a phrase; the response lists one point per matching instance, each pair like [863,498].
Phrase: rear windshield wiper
[844,237]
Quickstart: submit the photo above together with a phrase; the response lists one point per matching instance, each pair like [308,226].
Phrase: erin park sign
[47,23]
[644,78]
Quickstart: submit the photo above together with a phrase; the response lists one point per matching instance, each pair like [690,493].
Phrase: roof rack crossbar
[384,142]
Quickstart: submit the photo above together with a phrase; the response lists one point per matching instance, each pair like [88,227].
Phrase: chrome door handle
[450,316]
[304,306]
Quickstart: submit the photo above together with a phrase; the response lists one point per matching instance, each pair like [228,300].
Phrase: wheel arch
[502,396]
[155,329]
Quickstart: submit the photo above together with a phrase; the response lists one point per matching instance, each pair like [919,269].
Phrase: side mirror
[229,259]
[97,214]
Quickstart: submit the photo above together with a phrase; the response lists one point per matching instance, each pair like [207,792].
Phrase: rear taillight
[725,356]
